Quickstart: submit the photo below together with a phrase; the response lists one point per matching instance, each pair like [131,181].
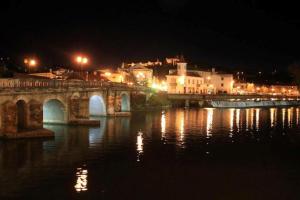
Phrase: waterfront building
[184,81]
[138,73]
[181,81]
[243,88]
[114,76]
[251,88]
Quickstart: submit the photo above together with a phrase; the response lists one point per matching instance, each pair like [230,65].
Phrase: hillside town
[172,75]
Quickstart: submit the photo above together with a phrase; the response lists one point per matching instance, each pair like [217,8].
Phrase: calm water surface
[182,154]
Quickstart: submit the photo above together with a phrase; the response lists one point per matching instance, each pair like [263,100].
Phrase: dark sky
[232,33]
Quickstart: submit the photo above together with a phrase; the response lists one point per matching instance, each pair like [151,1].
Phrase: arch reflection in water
[209,121]
[139,145]
[81,181]
[297,116]
[96,134]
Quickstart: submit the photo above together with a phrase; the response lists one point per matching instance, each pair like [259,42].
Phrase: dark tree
[294,70]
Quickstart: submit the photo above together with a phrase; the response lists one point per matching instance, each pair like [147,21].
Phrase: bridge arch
[125,102]
[21,114]
[24,98]
[97,105]
[54,111]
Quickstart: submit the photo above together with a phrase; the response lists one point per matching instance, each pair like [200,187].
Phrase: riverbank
[161,101]
[252,103]
[154,102]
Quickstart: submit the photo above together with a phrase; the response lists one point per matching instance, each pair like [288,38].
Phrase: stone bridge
[25,104]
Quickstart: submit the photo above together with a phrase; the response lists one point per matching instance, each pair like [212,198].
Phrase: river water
[178,154]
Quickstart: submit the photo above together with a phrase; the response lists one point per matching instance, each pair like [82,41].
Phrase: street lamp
[81,60]
[30,63]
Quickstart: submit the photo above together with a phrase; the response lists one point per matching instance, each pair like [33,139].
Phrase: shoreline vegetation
[156,101]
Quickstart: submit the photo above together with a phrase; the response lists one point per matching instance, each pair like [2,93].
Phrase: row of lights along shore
[32,62]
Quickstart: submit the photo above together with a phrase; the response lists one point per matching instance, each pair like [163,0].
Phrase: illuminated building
[114,76]
[139,73]
[183,81]
[251,88]
[144,64]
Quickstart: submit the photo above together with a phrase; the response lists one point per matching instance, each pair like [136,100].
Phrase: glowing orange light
[84,60]
[107,74]
[32,62]
[81,60]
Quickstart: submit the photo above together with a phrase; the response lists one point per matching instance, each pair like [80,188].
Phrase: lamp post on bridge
[81,60]
[30,63]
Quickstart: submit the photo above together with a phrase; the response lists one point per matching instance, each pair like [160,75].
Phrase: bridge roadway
[25,104]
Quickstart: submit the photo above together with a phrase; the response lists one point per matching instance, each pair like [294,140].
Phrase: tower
[181,66]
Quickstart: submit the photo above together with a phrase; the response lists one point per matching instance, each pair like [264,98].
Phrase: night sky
[232,34]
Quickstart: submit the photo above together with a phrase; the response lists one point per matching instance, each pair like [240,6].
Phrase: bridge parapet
[29,84]
[41,83]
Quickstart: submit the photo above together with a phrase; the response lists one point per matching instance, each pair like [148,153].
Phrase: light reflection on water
[273,116]
[82,181]
[283,110]
[297,116]
[199,130]
[257,112]
[163,124]
[247,119]
[139,145]
[209,121]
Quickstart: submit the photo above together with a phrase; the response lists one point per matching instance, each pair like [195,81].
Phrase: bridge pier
[25,123]
[118,104]
[79,111]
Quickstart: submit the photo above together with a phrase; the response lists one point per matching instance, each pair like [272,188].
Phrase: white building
[183,81]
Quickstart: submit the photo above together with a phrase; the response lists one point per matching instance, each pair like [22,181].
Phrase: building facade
[183,81]
[251,88]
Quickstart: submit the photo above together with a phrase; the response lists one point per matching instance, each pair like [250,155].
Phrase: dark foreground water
[182,154]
